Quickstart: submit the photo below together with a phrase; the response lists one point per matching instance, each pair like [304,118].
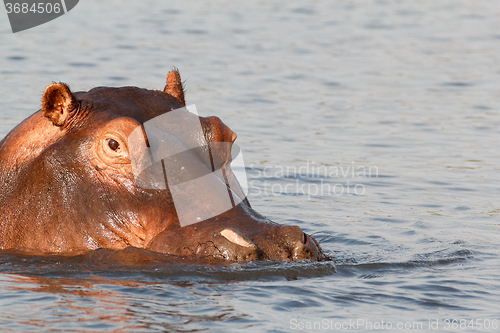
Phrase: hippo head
[74,180]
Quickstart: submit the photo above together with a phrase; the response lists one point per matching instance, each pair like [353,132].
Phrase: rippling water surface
[375,124]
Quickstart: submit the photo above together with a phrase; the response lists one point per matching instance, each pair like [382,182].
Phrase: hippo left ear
[58,103]
[174,86]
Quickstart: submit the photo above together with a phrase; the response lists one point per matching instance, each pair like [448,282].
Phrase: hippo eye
[113,144]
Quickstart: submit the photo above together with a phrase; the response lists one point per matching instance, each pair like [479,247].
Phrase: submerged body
[67,184]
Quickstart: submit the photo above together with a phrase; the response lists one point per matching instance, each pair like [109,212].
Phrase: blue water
[405,94]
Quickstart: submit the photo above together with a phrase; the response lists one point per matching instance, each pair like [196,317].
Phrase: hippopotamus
[68,186]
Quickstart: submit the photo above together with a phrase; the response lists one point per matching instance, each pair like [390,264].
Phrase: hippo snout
[287,243]
[300,245]
[240,242]
[290,243]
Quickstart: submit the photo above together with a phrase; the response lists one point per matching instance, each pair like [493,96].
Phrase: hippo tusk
[236,238]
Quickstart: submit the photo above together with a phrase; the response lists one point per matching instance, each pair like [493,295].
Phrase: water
[403,93]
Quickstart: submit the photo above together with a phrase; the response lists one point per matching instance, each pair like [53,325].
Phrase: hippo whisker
[326,239]
[328,256]
[320,232]
[327,236]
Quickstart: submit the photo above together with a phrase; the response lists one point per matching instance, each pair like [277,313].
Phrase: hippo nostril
[304,238]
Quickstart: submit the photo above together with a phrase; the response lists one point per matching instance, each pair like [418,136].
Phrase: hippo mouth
[239,235]
[233,246]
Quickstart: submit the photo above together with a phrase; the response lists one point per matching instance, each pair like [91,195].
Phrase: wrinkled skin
[67,185]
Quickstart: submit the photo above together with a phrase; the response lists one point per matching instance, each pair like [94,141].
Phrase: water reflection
[99,303]
[131,289]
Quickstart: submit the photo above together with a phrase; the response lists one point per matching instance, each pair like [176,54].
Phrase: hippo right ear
[58,103]
[174,86]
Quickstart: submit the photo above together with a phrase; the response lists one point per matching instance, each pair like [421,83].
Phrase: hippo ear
[174,86]
[58,103]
